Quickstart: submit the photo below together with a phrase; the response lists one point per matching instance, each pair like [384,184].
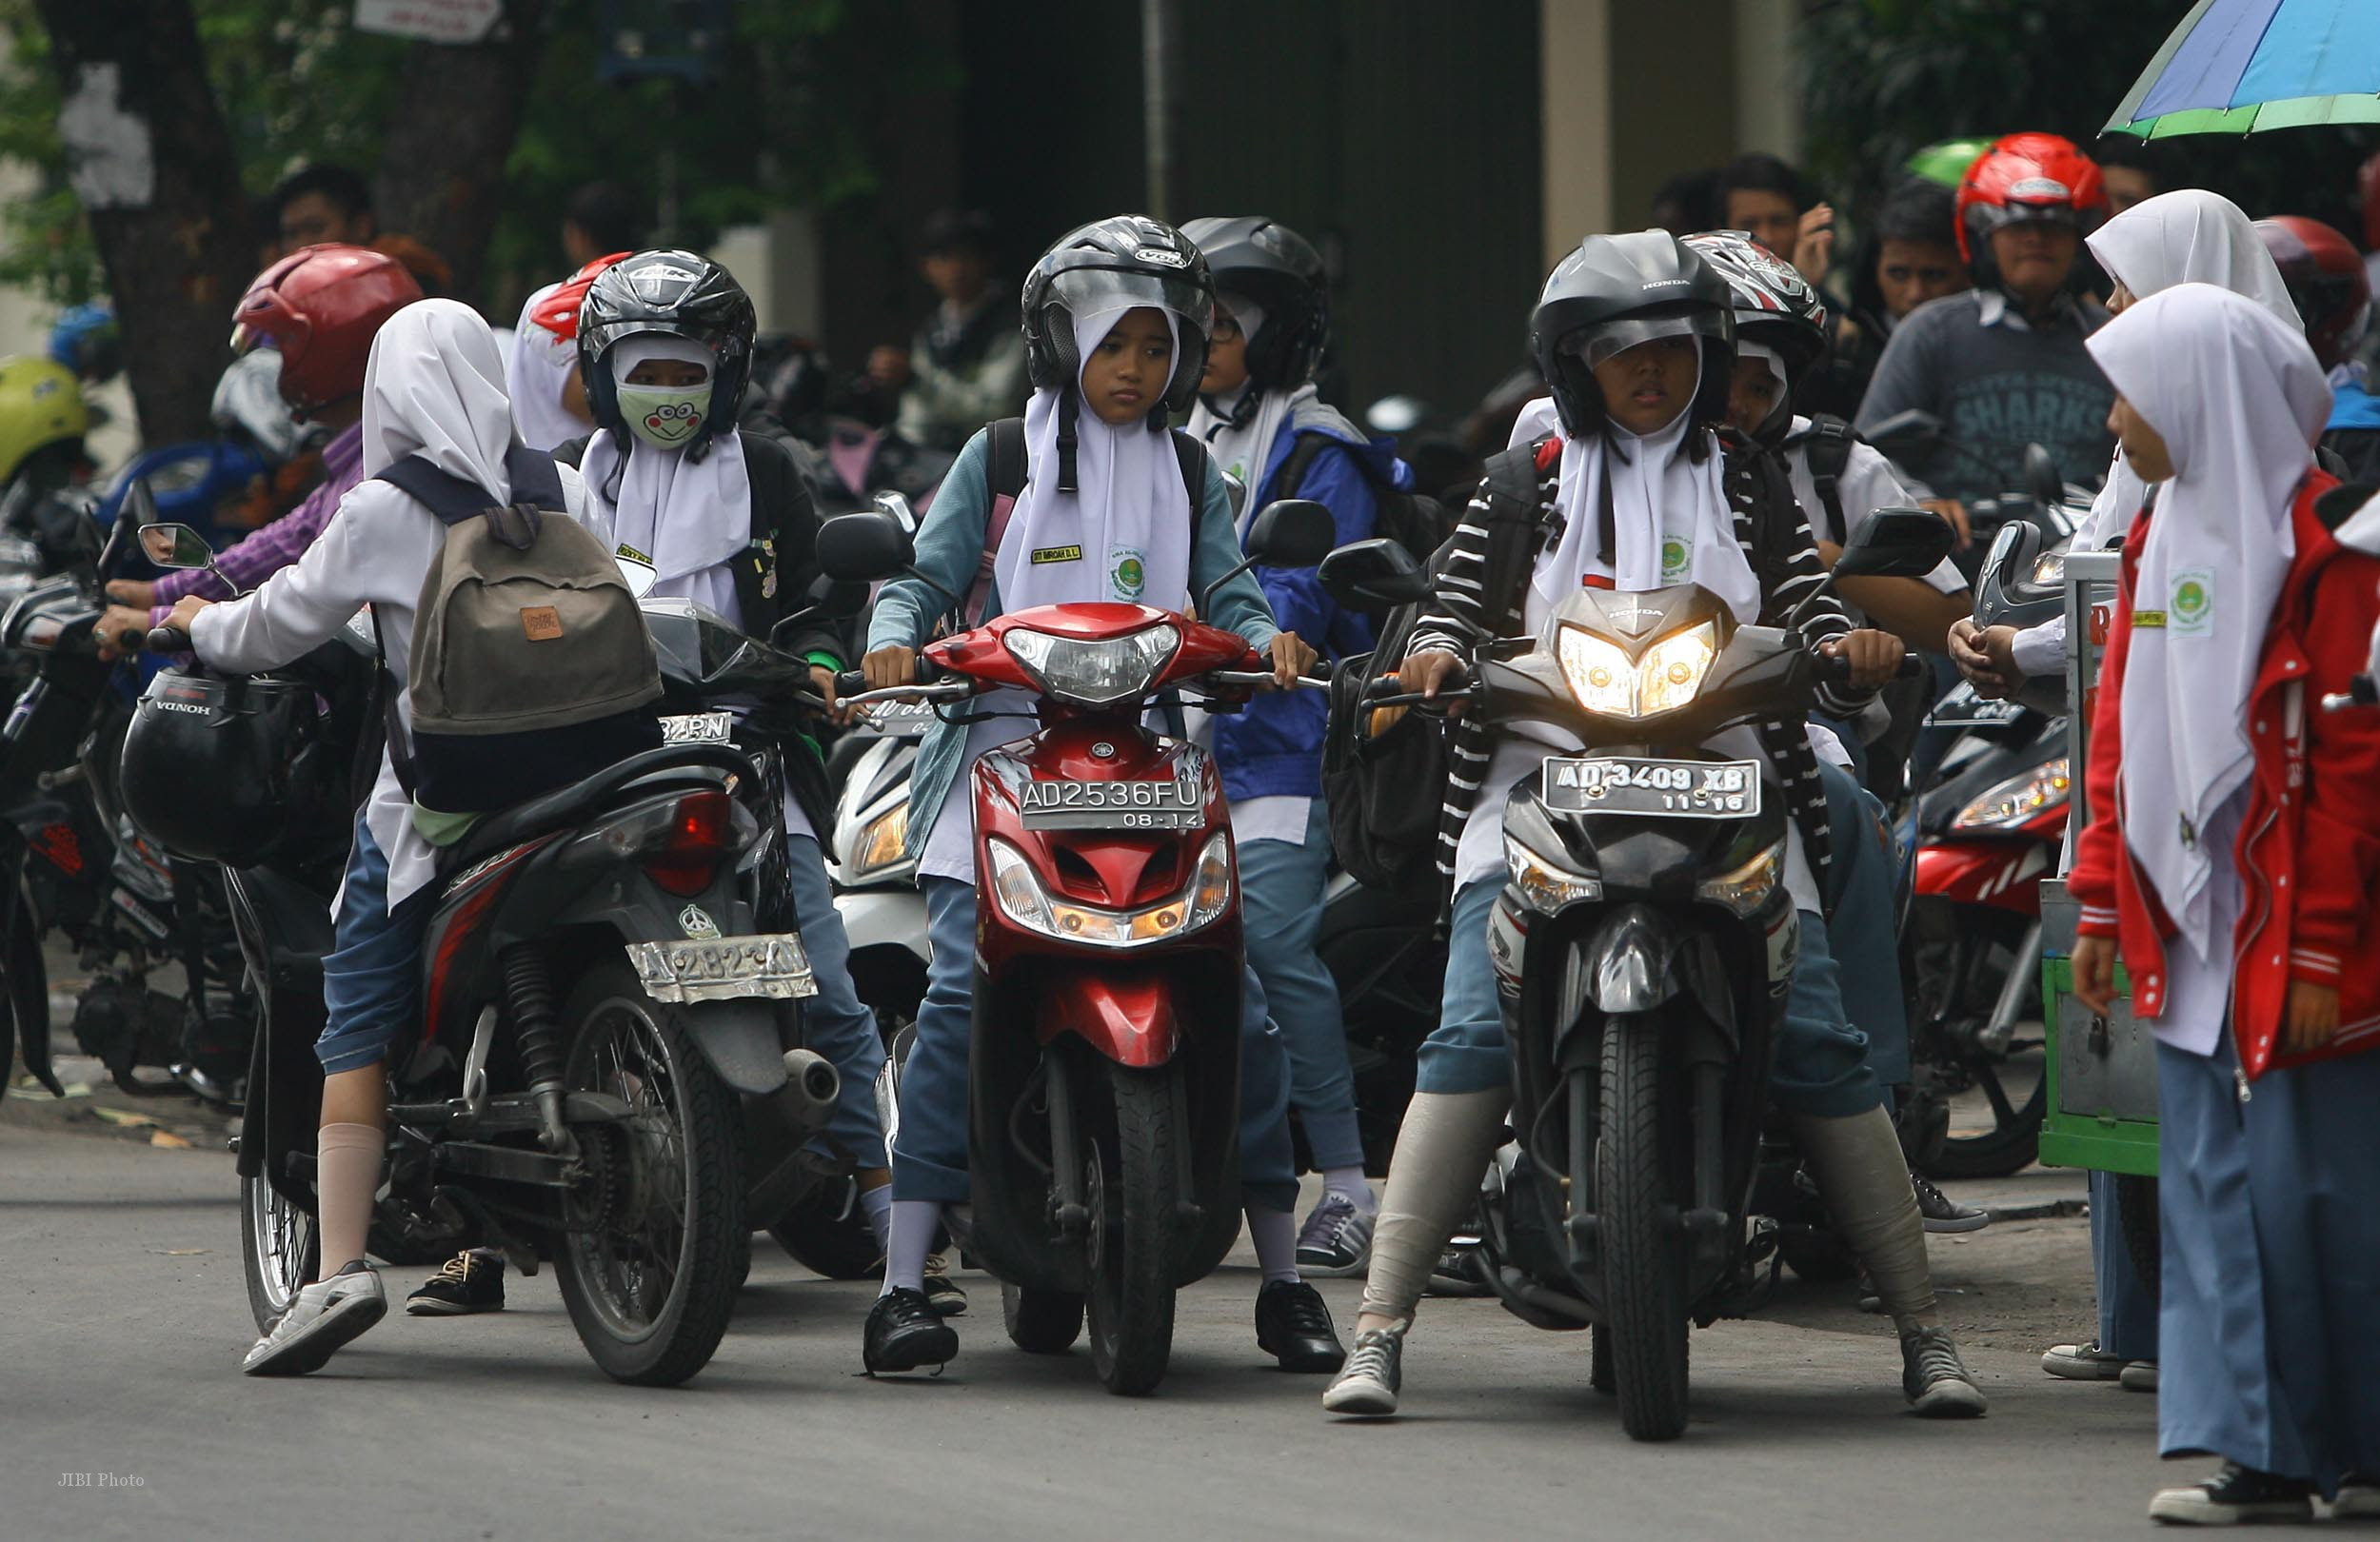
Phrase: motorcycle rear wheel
[650,1288]
[1041,1322]
[1643,1259]
[1130,1172]
[280,1250]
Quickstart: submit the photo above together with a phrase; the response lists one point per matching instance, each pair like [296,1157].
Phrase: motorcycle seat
[651,771]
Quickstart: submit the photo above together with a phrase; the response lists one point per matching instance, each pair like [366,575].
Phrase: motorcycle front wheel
[655,1239]
[1132,1186]
[1643,1259]
[279,1250]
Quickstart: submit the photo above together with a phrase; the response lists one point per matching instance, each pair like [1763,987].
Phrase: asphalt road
[125,1317]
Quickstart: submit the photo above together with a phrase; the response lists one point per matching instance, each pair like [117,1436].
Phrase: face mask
[666,417]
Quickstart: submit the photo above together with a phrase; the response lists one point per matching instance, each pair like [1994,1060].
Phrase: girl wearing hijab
[1117,317]
[1635,335]
[433,388]
[2232,858]
[549,401]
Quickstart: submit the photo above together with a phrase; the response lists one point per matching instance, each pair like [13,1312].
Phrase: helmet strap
[1068,405]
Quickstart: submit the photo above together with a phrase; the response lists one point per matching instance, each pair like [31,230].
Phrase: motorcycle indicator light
[1606,681]
[1547,888]
[2019,800]
[884,841]
[1094,673]
[1748,887]
[1023,899]
[679,843]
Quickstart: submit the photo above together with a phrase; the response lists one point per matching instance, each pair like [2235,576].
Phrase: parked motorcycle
[1644,946]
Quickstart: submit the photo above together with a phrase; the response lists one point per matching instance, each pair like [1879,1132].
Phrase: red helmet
[559,311]
[321,307]
[2026,177]
[2326,278]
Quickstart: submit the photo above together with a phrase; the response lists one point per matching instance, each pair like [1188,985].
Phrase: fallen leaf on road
[126,1117]
[178,1252]
[167,1137]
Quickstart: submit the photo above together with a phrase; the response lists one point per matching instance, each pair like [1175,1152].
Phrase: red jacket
[2309,847]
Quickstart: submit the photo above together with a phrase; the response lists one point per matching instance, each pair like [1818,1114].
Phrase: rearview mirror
[638,574]
[1291,532]
[1897,542]
[1379,573]
[2041,477]
[895,507]
[1903,434]
[868,544]
[174,546]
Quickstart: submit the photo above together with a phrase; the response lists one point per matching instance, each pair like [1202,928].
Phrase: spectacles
[1226,329]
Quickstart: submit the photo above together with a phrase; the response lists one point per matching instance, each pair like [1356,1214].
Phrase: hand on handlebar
[1291,658]
[1425,673]
[122,629]
[1873,657]
[184,611]
[880,669]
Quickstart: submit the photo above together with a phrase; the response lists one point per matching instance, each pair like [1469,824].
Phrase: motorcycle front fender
[883,918]
[740,1041]
[1126,1015]
[1631,962]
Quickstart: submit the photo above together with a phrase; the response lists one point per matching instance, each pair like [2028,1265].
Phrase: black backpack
[1414,521]
[1825,448]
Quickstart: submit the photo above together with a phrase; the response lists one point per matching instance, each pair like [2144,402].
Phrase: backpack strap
[1825,448]
[1516,506]
[1190,454]
[1006,468]
[1303,452]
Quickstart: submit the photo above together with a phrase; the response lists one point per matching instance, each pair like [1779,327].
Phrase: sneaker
[1460,1270]
[904,1332]
[1335,1240]
[2082,1362]
[1367,1385]
[943,1292]
[2141,1376]
[325,1316]
[472,1281]
[2359,1495]
[1294,1327]
[2234,1496]
[1944,1213]
[1934,1379]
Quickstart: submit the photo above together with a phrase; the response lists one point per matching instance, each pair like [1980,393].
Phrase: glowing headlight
[1605,680]
[883,841]
[1748,887]
[1094,673]
[1023,899]
[1546,887]
[2018,799]
[2049,569]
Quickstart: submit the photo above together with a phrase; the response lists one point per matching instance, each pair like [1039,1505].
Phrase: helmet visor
[597,337]
[1605,339]
[1082,291]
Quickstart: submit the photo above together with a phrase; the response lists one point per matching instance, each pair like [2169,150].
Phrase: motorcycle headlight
[1748,887]
[2049,569]
[2020,798]
[1023,899]
[1606,681]
[1095,674]
[1546,887]
[883,841]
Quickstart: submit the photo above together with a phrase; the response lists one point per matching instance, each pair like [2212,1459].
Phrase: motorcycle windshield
[700,651]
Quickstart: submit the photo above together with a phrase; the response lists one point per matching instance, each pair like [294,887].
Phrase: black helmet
[1616,291]
[684,296]
[1775,307]
[223,770]
[1129,259]
[1281,272]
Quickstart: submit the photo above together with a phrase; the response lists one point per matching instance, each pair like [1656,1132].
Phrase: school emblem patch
[2191,611]
[1673,561]
[1129,576]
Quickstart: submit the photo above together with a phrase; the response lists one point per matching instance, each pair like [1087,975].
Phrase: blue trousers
[1280,893]
[372,976]
[1862,929]
[2128,1309]
[834,1022]
[930,1142]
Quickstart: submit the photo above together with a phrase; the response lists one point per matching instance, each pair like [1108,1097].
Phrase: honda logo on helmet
[2042,190]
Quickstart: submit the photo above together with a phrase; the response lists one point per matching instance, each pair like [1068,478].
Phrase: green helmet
[1946,160]
[40,403]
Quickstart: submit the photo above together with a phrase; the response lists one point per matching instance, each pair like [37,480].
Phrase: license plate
[699,728]
[772,966]
[1682,789]
[1172,804]
[896,717]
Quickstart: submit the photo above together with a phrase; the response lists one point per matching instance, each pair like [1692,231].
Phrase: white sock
[346,1176]
[909,1236]
[1349,1181]
[1275,1234]
[877,1202]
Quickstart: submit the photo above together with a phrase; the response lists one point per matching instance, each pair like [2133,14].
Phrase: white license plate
[899,717]
[772,966]
[699,728]
[1682,789]
[1171,804]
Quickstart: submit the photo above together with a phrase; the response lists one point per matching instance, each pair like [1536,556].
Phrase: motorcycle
[1105,1060]
[1644,947]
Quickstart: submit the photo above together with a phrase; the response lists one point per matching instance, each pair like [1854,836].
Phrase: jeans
[929,1138]
[1861,928]
[834,1022]
[372,976]
[1281,893]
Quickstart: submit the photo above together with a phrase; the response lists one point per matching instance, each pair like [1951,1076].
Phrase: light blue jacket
[950,551]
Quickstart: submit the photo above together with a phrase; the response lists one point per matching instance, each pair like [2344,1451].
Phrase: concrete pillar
[1574,55]
[1768,100]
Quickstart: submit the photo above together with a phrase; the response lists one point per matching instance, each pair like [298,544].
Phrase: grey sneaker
[1936,1380]
[2141,1376]
[1335,1240]
[1368,1384]
[1943,1213]
[325,1316]
[2082,1362]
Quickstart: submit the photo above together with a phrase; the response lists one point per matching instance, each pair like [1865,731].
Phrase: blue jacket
[1274,748]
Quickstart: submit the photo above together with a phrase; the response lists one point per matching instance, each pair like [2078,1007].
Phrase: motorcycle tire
[826,1233]
[1643,1259]
[2144,1238]
[1131,1175]
[1041,1322]
[25,1000]
[663,1343]
[1599,1360]
[280,1250]
[2012,1145]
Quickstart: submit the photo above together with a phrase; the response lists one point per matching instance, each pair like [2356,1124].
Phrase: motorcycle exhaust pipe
[813,1086]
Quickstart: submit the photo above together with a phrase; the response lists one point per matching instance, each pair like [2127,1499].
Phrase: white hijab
[690,518]
[1128,529]
[538,365]
[434,386]
[1243,451]
[2236,395]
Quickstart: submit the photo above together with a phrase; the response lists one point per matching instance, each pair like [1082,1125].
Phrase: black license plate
[1680,789]
[1171,804]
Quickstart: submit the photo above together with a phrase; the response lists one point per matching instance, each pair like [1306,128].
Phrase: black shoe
[2233,1495]
[943,1292]
[470,1282]
[1944,1213]
[903,1334]
[1294,1327]
[1460,1270]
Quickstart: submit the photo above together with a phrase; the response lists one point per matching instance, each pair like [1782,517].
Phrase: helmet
[559,311]
[222,770]
[1775,307]
[680,294]
[1280,270]
[40,404]
[1129,258]
[322,307]
[1615,291]
[2026,177]
[2326,278]
[87,341]
[1945,162]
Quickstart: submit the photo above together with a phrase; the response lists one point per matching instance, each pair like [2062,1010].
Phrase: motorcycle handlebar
[1837,671]
[161,640]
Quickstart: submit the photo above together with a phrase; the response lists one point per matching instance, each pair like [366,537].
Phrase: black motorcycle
[1644,946]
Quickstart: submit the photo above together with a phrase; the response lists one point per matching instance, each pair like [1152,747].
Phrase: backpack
[530,664]
[1414,521]
[1005,467]
[1825,448]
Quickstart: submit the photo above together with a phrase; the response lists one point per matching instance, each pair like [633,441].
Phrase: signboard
[430,21]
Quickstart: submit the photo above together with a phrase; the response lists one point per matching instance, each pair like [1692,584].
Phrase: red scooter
[1104,1064]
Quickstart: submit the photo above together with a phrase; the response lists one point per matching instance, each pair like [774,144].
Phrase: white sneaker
[1368,1384]
[2082,1362]
[325,1316]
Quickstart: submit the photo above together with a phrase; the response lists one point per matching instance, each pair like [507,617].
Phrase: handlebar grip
[134,639]
[1322,672]
[169,640]
[1386,685]
[850,682]
[1910,666]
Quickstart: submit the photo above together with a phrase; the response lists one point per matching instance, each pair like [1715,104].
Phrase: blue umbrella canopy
[2237,67]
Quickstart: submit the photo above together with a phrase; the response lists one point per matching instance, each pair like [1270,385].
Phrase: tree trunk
[152,160]
[442,168]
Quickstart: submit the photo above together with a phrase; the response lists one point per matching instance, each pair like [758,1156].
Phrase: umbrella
[2236,67]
